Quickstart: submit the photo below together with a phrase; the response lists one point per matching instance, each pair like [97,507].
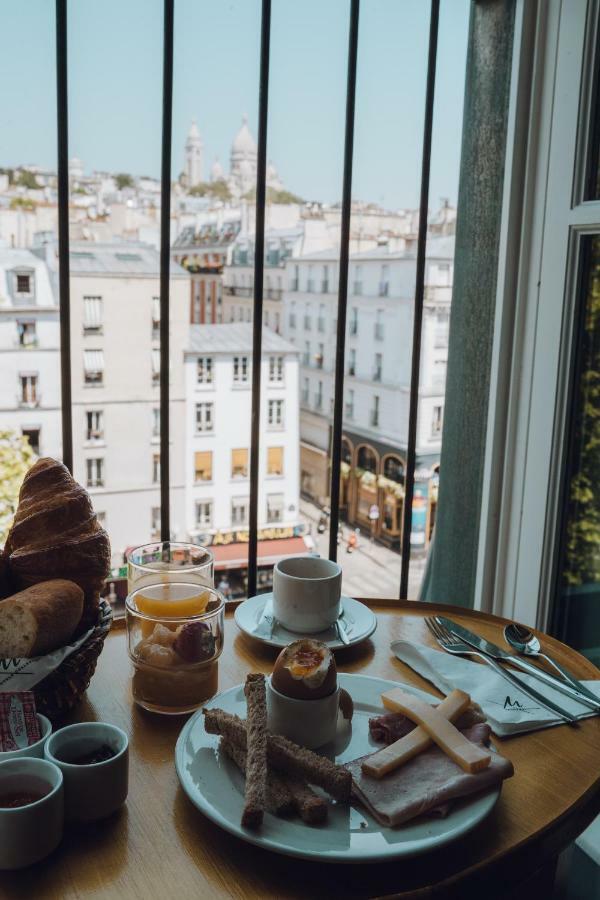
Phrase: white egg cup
[310,723]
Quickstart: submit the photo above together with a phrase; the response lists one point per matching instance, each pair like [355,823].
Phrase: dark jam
[98,755]
[15,799]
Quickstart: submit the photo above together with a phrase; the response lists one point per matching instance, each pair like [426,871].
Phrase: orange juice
[166,600]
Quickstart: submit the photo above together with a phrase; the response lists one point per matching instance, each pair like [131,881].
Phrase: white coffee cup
[29,833]
[95,790]
[310,723]
[36,749]
[307,593]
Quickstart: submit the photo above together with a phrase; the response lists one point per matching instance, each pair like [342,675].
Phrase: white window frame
[203,521]
[204,370]
[205,418]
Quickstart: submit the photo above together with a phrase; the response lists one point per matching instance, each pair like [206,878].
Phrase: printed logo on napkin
[22,674]
[19,725]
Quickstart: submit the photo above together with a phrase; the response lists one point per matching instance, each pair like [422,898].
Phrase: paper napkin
[508,710]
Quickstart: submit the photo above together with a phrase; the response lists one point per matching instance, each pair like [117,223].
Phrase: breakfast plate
[360,623]
[216,787]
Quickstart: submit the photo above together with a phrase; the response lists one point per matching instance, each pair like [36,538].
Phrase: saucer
[360,623]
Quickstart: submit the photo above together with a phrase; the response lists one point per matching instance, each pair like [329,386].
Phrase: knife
[498,653]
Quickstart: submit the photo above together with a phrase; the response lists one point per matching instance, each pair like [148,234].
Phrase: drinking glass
[166,561]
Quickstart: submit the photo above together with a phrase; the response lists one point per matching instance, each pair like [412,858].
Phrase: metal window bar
[409,481]
[259,253]
[165,254]
[62,122]
[336,433]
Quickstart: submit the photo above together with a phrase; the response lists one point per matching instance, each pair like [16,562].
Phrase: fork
[451,644]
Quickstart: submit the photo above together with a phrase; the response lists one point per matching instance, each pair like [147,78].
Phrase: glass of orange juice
[167,561]
[174,639]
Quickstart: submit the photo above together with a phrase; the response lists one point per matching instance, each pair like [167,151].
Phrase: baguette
[39,619]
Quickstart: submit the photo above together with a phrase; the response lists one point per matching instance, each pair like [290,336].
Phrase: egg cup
[310,723]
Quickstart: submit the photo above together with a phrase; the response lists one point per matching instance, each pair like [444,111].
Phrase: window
[320,357]
[27,334]
[276,369]
[204,513]
[319,395]
[156,422]
[277,323]
[155,522]
[239,463]
[307,318]
[248,315]
[23,285]
[437,421]
[306,354]
[440,339]
[93,366]
[275,507]
[266,317]
[155,317]
[325,281]
[155,367]
[94,425]
[240,369]
[378,369]
[295,280]
[94,472]
[349,412]
[354,320]
[92,315]
[310,283]
[357,286]
[379,325]
[438,379]
[384,284]
[203,465]
[274,460]
[352,361]
[305,390]
[204,417]
[29,395]
[275,417]
[375,412]
[32,435]
[239,511]
[204,370]
[155,468]
[321,319]
[292,318]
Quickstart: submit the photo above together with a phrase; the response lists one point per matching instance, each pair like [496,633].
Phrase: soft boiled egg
[305,670]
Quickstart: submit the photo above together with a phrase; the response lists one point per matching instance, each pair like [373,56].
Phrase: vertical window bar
[259,255]
[62,121]
[336,433]
[409,482]
[165,251]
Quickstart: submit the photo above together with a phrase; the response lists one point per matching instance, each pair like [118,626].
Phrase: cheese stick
[465,754]
[396,754]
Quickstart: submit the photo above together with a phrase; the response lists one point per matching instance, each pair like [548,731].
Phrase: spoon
[525,642]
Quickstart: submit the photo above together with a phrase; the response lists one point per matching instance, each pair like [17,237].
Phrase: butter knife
[498,653]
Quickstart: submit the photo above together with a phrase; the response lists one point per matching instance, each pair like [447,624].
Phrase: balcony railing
[250,516]
[231,290]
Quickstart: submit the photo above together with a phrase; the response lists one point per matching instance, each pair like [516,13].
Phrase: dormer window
[23,284]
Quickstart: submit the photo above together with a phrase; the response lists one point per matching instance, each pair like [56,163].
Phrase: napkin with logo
[508,710]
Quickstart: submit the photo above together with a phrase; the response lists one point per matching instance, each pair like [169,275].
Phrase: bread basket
[59,691]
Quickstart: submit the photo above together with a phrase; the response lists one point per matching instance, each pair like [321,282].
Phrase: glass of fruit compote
[169,561]
[175,638]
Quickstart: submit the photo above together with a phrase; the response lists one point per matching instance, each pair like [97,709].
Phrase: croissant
[55,534]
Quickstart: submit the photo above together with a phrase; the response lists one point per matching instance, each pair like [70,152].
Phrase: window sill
[93,384]
[275,427]
[236,479]
[203,482]
[94,444]
[204,433]
[272,476]
[241,385]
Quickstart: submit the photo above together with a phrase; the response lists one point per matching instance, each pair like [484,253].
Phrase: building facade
[377,381]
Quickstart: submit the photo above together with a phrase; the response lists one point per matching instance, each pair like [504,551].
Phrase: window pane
[239,463]
[203,465]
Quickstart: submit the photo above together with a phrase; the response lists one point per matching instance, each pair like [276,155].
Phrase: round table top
[160,845]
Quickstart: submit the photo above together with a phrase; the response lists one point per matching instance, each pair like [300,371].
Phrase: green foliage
[16,457]
[582,558]
[9,172]
[219,190]
[27,180]
[273,196]
[22,203]
[124,180]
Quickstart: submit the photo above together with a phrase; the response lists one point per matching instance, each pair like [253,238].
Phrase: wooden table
[160,846]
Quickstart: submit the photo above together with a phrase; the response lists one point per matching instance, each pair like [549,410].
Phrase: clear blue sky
[115,49]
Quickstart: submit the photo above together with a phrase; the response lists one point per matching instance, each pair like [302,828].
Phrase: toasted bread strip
[284,755]
[462,751]
[256,751]
[279,799]
[396,754]
[311,808]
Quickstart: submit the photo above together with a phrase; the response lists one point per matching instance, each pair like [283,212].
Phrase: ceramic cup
[310,723]
[95,790]
[307,593]
[29,833]
[36,749]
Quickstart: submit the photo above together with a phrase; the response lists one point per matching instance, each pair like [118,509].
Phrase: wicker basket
[64,687]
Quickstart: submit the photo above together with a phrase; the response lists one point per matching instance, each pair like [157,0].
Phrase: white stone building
[194,157]
[29,351]
[218,378]
[377,378]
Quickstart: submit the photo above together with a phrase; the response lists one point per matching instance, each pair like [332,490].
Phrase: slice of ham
[390,727]
[426,784]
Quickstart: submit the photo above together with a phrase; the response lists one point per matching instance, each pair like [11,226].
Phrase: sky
[115,89]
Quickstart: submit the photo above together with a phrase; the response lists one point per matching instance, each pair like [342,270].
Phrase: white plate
[214,784]
[360,621]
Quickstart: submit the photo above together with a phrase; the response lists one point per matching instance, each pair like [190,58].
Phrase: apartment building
[377,380]
[29,351]
[115,371]
[218,382]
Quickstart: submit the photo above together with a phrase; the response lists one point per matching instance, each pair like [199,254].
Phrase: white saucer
[360,623]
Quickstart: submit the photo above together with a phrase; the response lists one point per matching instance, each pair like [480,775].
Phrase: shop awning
[235,556]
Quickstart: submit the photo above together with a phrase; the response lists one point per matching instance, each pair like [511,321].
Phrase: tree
[217,189]
[274,196]
[124,180]
[16,457]
[28,180]
[23,203]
